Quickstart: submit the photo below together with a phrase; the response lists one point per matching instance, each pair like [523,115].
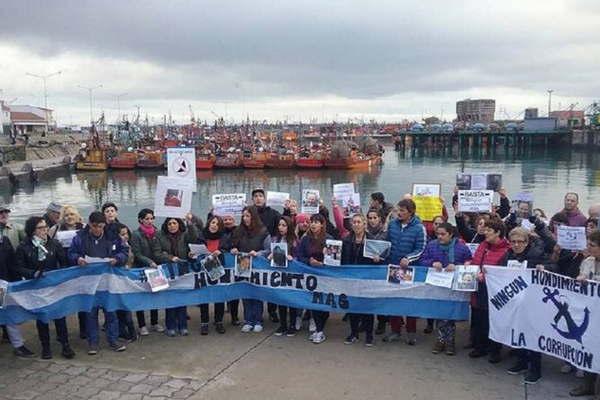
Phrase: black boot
[67,352]
[46,352]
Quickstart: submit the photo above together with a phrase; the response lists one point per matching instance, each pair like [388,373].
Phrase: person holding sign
[408,237]
[444,253]
[571,209]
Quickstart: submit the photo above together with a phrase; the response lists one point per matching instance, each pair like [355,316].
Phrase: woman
[353,247]
[213,233]
[286,234]
[469,234]
[35,255]
[174,239]
[444,253]
[310,251]
[126,328]
[490,252]
[251,237]
[524,248]
[302,222]
[229,226]
[375,224]
[145,246]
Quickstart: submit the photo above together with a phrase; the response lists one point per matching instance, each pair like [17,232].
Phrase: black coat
[352,252]
[7,260]
[270,218]
[534,254]
[26,258]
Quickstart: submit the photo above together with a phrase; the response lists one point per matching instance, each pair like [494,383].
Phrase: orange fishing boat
[92,160]
[228,160]
[355,160]
[310,161]
[255,160]
[124,160]
[205,161]
[150,159]
[281,161]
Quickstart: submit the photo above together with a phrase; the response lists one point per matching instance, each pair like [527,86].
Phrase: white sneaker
[312,326]
[246,328]
[579,374]
[298,323]
[144,331]
[319,337]
[158,328]
[566,368]
[257,328]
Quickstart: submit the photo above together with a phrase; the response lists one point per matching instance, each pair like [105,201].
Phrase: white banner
[475,200]
[228,204]
[547,313]
[181,163]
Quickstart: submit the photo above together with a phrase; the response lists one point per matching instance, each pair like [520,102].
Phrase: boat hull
[309,163]
[91,166]
[228,163]
[280,163]
[205,163]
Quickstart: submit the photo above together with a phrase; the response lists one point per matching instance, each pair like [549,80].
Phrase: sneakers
[281,331]
[351,339]
[158,328]
[246,328]
[117,347]
[312,326]
[450,348]
[311,337]
[291,332]
[319,337]
[203,329]
[67,352]
[369,342]
[92,350]
[170,332]
[531,378]
[438,347]
[391,337]
[184,332]
[298,323]
[220,328]
[23,352]
[257,328]
[517,369]
[144,331]
[46,353]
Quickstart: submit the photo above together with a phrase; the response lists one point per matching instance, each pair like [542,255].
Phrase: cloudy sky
[305,60]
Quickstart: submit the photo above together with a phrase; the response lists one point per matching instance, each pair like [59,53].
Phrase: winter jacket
[306,251]
[534,254]
[144,249]
[352,252]
[270,218]
[7,260]
[568,261]
[408,241]
[26,258]
[487,254]
[85,244]
[182,250]
[14,233]
[246,241]
[434,252]
[111,231]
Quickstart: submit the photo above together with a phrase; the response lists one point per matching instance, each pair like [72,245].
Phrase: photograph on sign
[427,189]
[399,275]
[279,255]
[343,192]
[333,252]
[376,248]
[243,265]
[277,199]
[352,206]
[181,163]
[466,278]
[157,279]
[310,201]
[173,197]
[213,267]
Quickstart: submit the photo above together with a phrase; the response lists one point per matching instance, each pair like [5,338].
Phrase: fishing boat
[205,161]
[254,160]
[92,160]
[353,161]
[124,160]
[281,161]
[229,160]
[150,159]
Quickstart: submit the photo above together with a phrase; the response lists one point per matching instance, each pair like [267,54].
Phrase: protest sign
[173,197]
[277,199]
[197,250]
[479,181]
[376,248]
[156,279]
[545,312]
[343,192]
[279,255]
[228,204]
[399,275]
[181,163]
[475,200]
[65,237]
[213,267]
[465,278]
[441,278]
[571,237]
[527,225]
[333,252]
[428,207]
[427,189]
[243,265]
[352,206]
[516,264]
[310,201]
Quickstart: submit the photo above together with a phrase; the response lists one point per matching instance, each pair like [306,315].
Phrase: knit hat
[302,218]
[54,207]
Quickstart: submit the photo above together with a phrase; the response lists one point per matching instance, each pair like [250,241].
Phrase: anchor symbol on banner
[575,332]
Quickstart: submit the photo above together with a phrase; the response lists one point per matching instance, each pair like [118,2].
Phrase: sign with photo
[398,275]
[333,252]
[352,206]
[173,197]
[571,237]
[157,278]
[243,265]
[376,248]
[475,200]
[310,201]
[441,278]
[279,255]
[277,199]
[181,163]
[213,267]
[343,192]
[465,279]
[228,204]
[479,181]
[427,189]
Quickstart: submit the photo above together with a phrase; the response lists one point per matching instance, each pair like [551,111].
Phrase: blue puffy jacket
[408,241]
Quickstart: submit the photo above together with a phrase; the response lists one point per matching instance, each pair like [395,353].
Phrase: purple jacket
[576,218]
[433,252]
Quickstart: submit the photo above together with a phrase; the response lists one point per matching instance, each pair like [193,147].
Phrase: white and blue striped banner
[354,288]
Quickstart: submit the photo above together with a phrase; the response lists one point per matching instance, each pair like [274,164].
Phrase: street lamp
[119,105]
[44,78]
[549,101]
[90,90]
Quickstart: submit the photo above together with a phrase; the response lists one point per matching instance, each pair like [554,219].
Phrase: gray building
[478,110]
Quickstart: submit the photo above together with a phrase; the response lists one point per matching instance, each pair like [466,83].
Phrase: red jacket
[487,254]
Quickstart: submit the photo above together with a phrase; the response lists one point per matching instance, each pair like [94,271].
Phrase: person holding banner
[229,225]
[251,237]
[35,255]
[174,239]
[145,246]
[444,253]
[490,252]
[408,237]
[111,212]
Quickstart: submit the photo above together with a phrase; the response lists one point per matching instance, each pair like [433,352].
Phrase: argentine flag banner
[547,313]
[345,289]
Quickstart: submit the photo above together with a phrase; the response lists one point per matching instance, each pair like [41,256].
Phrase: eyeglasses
[518,241]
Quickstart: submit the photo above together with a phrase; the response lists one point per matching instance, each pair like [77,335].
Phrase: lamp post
[549,101]
[119,105]
[44,78]
[90,90]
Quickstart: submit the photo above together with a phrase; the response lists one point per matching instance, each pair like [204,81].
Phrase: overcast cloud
[312,59]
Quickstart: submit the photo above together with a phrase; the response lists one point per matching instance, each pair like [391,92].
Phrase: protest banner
[343,192]
[547,313]
[441,278]
[571,237]
[479,181]
[173,197]
[228,204]
[277,199]
[310,201]
[428,207]
[475,200]
[427,189]
[181,163]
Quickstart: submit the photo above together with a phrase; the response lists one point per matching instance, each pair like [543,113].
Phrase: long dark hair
[219,233]
[165,229]
[317,242]
[256,225]
[290,237]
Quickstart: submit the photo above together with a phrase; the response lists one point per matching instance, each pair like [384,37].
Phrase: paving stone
[177,383]
[25,395]
[54,367]
[74,371]
[58,378]
[80,381]
[195,385]
[182,394]
[95,372]
[121,386]
[24,372]
[106,395]
[86,392]
[45,387]
[163,391]
[134,378]
[114,375]
[155,398]
[158,379]
[130,396]
[100,383]
[141,388]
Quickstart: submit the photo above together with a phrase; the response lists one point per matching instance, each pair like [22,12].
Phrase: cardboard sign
[428,207]
[475,200]
[571,237]
[173,197]
[181,163]
[228,204]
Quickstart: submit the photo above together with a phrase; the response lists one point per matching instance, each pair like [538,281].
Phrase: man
[378,202]
[408,237]
[594,211]
[14,232]
[52,214]
[575,217]
[92,241]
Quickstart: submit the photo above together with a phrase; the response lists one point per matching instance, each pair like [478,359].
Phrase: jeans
[446,330]
[176,318]
[253,311]
[141,318]
[364,320]
[126,327]
[61,332]
[283,314]
[205,315]
[91,324]
[233,306]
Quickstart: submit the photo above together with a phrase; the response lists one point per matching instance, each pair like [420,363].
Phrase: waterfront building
[477,110]
[4,119]
[569,118]
[31,119]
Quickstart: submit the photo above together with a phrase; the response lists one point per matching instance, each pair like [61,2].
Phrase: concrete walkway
[263,366]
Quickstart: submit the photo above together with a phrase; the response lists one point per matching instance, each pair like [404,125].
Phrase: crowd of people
[507,233]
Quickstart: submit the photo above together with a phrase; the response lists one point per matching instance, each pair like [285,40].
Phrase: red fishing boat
[205,161]
[151,159]
[281,161]
[353,161]
[228,160]
[254,160]
[310,161]
[124,160]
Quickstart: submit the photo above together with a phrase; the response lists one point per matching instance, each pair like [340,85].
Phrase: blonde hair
[519,232]
[69,209]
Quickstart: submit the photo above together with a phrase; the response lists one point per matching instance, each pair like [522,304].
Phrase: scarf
[148,231]
[212,236]
[40,245]
[174,240]
[449,249]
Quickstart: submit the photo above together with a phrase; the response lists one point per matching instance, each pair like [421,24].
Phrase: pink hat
[301,218]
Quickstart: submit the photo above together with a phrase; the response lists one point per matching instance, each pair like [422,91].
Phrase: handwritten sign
[441,279]
[571,237]
[428,207]
[228,203]
[475,200]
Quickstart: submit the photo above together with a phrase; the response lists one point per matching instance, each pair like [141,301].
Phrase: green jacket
[14,233]
[182,250]
[144,250]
